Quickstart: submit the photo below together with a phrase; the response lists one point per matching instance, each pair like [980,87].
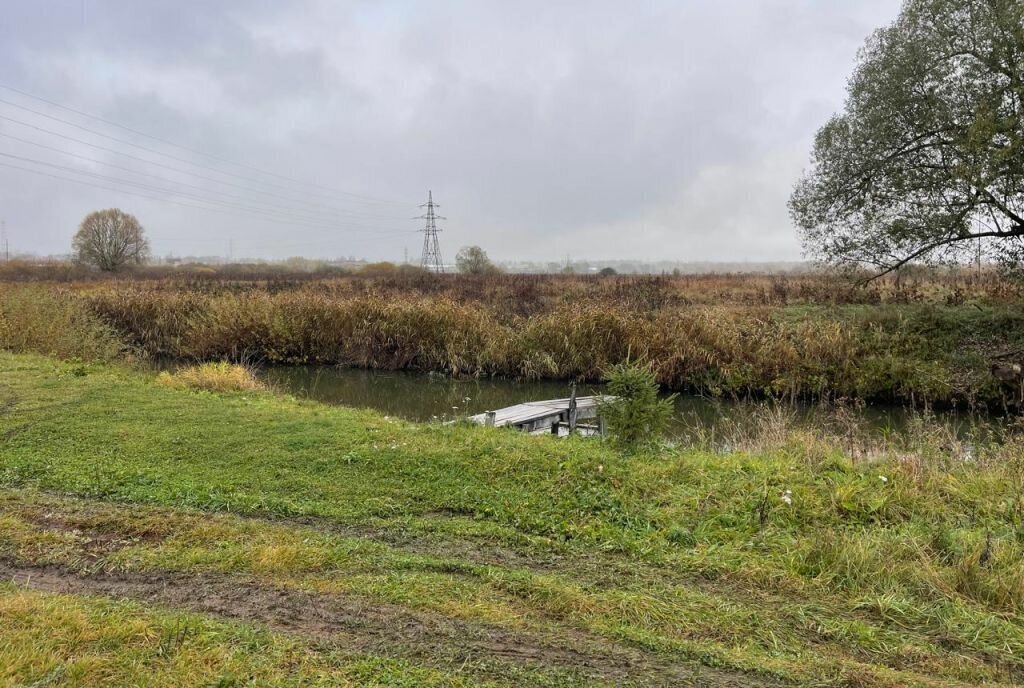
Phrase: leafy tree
[633,412]
[473,260]
[607,272]
[109,240]
[928,155]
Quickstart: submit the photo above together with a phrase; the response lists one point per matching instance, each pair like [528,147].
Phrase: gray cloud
[668,130]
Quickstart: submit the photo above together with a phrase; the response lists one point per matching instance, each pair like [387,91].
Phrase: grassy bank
[793,565]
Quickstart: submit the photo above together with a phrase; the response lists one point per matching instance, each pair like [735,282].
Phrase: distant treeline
[29,269]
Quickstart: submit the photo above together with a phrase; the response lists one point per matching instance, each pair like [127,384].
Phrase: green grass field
[159,536]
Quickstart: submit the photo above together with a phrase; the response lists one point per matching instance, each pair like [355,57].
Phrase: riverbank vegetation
[219,376]
[933,339]
[507,559]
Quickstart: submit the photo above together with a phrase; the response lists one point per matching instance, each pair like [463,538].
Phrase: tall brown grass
[927,338]
[527,294]
[919,352]
[54,322]
[218,376]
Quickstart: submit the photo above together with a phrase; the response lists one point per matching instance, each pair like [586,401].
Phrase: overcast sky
[642,130]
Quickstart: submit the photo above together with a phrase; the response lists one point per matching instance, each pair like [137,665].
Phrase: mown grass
[662,610]
[796,561]
[70,640]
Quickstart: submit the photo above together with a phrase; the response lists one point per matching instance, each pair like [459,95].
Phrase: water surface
[432,396]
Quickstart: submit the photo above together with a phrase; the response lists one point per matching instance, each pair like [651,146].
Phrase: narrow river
[434,397]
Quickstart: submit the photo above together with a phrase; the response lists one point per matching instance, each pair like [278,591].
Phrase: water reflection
[414,396]
[431,396]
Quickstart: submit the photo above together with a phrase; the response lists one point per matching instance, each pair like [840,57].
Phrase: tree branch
[1017,231]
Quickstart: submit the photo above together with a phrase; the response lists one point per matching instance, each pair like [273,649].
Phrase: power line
[185,148]
[330,214]
[185,205]
[431,258]
[160,153]
[262,242]
[160,165]
[269,212]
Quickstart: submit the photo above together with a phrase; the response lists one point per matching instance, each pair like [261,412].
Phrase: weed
[213,377]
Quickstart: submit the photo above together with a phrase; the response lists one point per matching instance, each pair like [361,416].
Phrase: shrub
[52,322]
[633,412]
[220,376]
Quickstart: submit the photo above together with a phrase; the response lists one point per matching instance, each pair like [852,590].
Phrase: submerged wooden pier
[548,416]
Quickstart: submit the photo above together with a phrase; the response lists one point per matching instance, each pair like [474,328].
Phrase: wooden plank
[537,414]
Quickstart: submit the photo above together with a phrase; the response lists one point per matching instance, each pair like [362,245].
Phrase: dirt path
[63,514]
[359,626]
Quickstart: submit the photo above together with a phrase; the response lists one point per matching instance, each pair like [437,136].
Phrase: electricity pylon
[431,259]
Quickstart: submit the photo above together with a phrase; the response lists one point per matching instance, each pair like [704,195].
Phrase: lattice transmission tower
[431,259]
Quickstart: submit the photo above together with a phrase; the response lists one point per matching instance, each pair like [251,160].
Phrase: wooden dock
[541,416]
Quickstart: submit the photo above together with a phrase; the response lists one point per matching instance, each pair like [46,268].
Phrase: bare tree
[110,239]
